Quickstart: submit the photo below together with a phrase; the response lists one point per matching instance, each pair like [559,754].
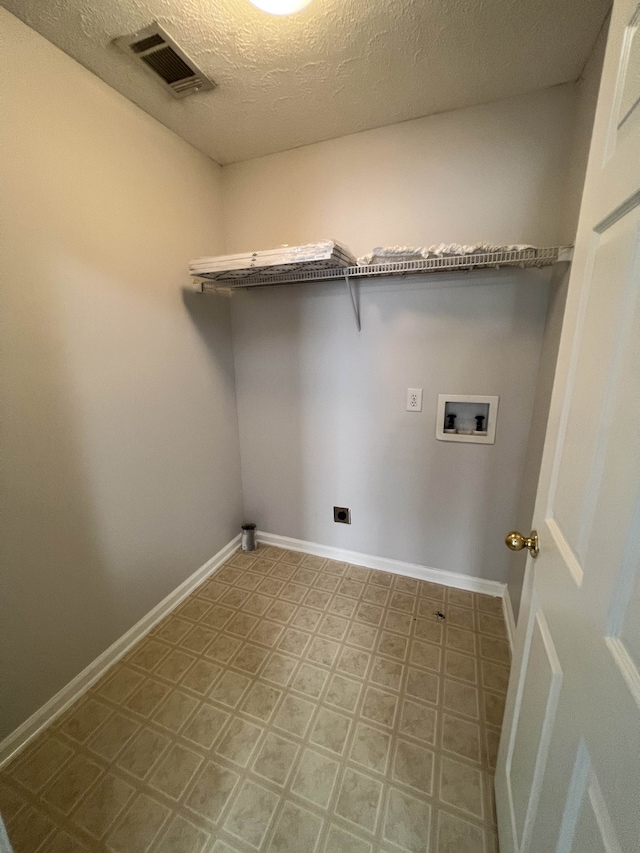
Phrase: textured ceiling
[337,67]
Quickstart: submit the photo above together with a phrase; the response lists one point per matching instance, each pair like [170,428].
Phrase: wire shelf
[211,283]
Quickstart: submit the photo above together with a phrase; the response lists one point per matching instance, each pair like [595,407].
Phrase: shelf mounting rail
[523,258]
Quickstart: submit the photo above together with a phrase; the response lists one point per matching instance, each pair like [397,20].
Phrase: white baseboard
[396,567]
[509,618]
[52,709]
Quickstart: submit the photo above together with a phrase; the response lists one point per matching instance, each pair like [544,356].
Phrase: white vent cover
[158,53]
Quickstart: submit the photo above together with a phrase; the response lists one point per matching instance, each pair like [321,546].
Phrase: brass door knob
[516,542]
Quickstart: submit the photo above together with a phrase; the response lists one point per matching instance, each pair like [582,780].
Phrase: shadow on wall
[52,562]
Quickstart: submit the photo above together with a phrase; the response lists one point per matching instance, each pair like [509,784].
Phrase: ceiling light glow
[281,7]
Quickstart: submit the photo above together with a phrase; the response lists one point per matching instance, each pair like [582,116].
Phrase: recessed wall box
[460,415]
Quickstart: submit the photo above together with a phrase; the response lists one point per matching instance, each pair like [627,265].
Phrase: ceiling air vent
[161,56]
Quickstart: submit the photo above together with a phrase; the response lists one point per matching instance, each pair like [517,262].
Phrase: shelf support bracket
[354,304]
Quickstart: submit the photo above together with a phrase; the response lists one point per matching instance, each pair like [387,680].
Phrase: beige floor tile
[393,646]
[461,640]
[489,604]
[363,636]
[343,692]
[371,748]
[173,630]
[140,825]
[310,680]
[491,648]
[40,763]
[65,790]
[432,590]
[461,787]
[10,802]
[333,627]
[291,703]
[331,730]
[423,685]
[101,807]
[142,752]
[386,673]
[460,597]
[218,617]
[404,584]
[380,707]
[461,698]
[430,630]
[294,715]
[315,777]
[306,619]
[461,737]
[413,766]
[230,688]
[376,595]
[426,655]
[275,759]
[113,736]
[119,684]
[175,772]
[305,576]
[174,666]
[494,676]
[175,710]
[294,641]
[458,836]
[197,639]
[461,666]
[267,633]
[418,721]
[297,830]
[147,697]
[250,658]
[461,617]
[369,613]
[182,836]
[279,669]
[354,662]
[359,799]
[85,719]
[251,814]
[261,701]
[402,601]
[341,841]
[28,830]
[381,579]
[223,648]
[211,792]
[493,705]
[205,725]
[239,741]
[62,842]
[407,821]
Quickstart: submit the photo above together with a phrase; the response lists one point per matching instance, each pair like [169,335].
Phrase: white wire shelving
[523,258]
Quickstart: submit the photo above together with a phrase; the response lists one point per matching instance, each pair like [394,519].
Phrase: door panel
[568,772]
[541,680]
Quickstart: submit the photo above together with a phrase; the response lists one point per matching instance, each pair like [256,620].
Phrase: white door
[568,775]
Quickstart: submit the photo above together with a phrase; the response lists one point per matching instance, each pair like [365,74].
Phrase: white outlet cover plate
[414,399]
[488,438]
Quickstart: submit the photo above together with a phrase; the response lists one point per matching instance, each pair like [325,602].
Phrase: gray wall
[323,421]
[120,457]
[321,408]
[587,96]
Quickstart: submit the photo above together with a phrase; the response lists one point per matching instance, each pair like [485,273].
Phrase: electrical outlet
[342,514]
[414,399]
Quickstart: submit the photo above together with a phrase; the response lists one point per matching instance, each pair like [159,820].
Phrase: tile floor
[291,703]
